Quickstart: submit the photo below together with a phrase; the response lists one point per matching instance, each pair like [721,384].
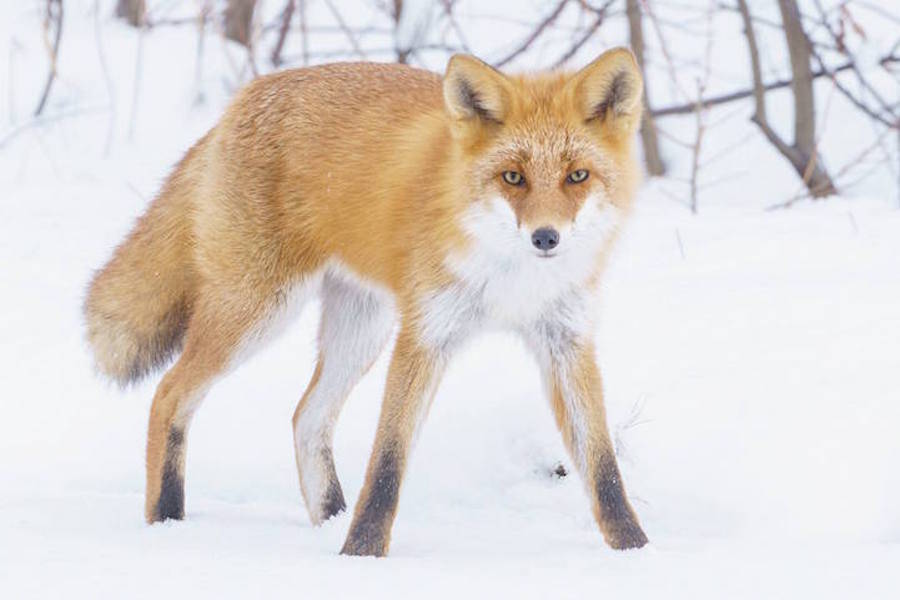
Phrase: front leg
[411,383]
[573,380]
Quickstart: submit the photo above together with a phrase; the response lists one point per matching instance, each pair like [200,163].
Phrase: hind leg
[219,327]
[356,323]
[176,398]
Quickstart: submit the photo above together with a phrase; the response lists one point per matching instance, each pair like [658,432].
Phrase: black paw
[356,547]
[625,535]
[333,504]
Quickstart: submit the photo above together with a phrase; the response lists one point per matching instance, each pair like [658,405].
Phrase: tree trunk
[239,21]
[814,174]
[396,15]
[801,85]
[802,154]
[133,11]
[649,139]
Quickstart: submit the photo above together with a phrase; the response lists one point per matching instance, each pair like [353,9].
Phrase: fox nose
[545,238]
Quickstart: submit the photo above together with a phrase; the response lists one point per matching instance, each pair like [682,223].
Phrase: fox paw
[625,535]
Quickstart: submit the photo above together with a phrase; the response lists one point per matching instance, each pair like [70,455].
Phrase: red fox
[437,205]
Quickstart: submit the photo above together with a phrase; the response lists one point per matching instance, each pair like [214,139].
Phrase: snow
[749,360]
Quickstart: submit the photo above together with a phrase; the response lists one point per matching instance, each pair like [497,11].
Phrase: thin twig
[689,107]
[534,35]
[879,10]
[664,49]
[286,16]
[110,88]
[136,88]
[51,17]
[598,21]
[304,33]
[894,121]
[201,19]
[680,243]
[46,119]
[14,48]
[454,24]
[384,50]
[347,31]
[700,112]
[838,174]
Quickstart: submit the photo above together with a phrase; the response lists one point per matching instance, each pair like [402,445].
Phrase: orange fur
[370,173]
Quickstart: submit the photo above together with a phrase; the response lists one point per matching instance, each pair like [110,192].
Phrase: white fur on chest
[501,282]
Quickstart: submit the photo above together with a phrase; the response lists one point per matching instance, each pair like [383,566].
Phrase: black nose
[545,238]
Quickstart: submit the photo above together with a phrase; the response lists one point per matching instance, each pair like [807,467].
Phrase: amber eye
[513,178]
[577,176]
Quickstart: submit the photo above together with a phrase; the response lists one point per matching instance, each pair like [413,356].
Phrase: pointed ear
[610,90]
[474,89]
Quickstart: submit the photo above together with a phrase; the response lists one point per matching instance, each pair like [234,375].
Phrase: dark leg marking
[333,502]
[370,532]
[620,524]
[171,491]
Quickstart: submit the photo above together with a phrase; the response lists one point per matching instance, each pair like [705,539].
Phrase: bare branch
[802,154]
[534,34]
[664,49]
[53,18]
[46,119]
[134,12]
[239,20]
[893,121]
[454,24]
[138,73]
[201,20]
[304,32]
[687,108]
[840,173]
[581,41]
[396,14]
[380,51]
[351,37]
[286,16]
[104,67]
[649,139]
[700,112]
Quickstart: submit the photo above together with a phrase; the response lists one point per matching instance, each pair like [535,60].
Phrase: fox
[418,207]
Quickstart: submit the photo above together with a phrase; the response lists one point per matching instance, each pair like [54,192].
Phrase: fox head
[547,158]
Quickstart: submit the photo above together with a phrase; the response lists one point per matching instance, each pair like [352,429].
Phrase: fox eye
[513,178]
[577,176]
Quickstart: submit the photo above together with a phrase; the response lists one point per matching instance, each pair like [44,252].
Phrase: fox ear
[609,90]
[474,89]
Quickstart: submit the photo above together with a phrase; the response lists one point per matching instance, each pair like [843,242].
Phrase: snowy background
[750,357]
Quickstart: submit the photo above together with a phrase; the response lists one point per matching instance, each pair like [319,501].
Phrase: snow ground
[750,361]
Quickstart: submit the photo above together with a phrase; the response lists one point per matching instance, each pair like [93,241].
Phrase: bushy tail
[138,306]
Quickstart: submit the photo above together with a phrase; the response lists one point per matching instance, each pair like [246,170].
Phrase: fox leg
[411,383]
[176,399]
[356,323]
[571,374]
[220,326]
